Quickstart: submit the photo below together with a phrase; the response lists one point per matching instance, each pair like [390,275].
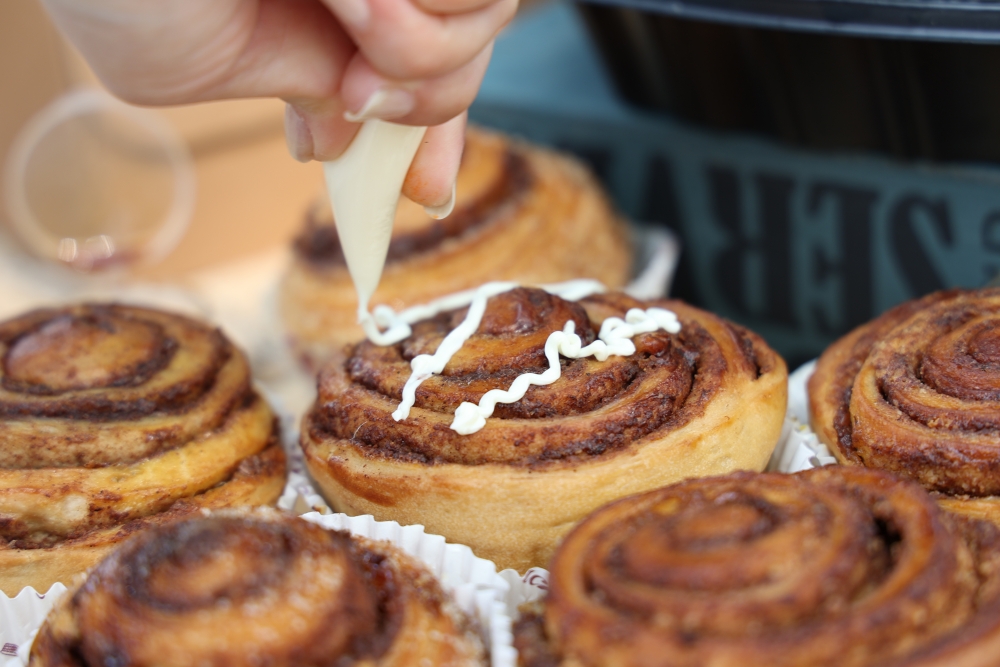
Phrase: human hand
[417,62]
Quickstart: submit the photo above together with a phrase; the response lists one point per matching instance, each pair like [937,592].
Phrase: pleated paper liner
[299,495]
[799,448]
[20,618]
[472,582]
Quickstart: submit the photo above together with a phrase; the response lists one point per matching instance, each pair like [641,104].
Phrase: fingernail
[384,104]
[445,209]
[298,136]
[354,13]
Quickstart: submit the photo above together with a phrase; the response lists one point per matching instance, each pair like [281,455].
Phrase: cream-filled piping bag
[364,185]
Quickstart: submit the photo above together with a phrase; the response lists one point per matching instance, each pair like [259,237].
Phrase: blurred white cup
[97,184]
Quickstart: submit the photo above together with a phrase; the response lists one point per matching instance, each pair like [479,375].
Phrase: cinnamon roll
[114,417]
[707,400]
[836,566]
[256,587]
[522,213]
[917,391]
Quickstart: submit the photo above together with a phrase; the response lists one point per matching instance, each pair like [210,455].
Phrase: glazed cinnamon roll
[917,391]
[114,417]
[707,400]
[256,587]
[835,566]
[522,213]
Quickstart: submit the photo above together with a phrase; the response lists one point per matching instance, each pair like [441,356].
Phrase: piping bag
[364,185]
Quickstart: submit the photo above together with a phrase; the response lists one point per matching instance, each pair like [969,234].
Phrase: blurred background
[821,160]
[250,193]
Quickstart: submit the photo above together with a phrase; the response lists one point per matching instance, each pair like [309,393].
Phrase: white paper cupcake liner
[20,618]
[472,582]
[798,396]
[799,448]
[656,250]
[299,495]
[524,588]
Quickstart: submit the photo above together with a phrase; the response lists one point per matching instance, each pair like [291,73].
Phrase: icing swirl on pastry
[614,339]
[668,376]
[709,398]
[522,213]
[425,365]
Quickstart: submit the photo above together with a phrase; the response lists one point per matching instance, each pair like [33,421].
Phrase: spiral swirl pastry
[837,566]
[707,400]
[522,213]
[112,417]
[917,391]
[256,587]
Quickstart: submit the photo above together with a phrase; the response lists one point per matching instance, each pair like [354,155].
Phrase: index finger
[404,42]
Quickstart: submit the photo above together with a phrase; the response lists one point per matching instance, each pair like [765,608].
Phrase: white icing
[364,185]
[614,339]
[424,366]
[387,327]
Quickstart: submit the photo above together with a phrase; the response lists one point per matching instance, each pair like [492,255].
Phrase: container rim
[927,20]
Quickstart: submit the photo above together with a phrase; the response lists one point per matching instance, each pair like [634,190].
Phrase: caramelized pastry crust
[522,213]
[707,400]
[837,566]
[109,417]
[917,391]
[256,587]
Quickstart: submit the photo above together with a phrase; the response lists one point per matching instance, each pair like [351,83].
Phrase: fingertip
[430,181]
[327,134]
[445,209]
[297,135]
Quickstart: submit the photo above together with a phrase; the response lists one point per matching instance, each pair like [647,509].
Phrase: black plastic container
[913,79]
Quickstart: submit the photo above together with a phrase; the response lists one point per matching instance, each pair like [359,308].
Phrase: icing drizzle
[387,327]
[614,339]
[425,365]
[364,208]
[384,326]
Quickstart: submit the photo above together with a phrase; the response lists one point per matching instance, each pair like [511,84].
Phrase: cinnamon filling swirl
[113,414]
[836,566]
[253,588]
[594,407]
[917,391]
[708,398]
